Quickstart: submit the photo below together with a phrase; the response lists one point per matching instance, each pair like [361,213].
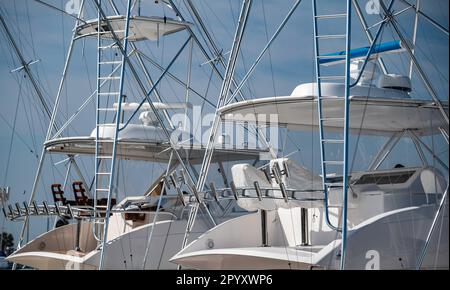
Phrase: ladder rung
[333,162]
[331,16]
[334,141]
[332,77]
[334,184]
[103,173]
[102,189]
[340,56]
[331,36]
[328,98]
[332,119]
[104,157]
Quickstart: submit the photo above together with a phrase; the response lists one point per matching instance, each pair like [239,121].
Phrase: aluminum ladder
[110,84]
[328,144]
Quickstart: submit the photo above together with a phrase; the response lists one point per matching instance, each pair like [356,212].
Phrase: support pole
[346,137]
[243,17]
[416,22]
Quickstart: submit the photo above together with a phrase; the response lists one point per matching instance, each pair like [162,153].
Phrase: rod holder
[276,173]
[19,210]
[167,182]
[214,191]
[11,211]
[69,211]
[35,207]
[173,179]
[258,190]
[58,211]
[283,192]
[264,233]
[25,206]
[234,190]
[182,179]
[191,187]
[46,209]
[266,172]
[285,169]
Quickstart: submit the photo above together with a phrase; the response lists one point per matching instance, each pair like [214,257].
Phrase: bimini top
[373,110]
[141,27]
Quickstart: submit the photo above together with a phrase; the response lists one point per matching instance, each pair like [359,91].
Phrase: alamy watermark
[73,6]
[236,131]
[373,7]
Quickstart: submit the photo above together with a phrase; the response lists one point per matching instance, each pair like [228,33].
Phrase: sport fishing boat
[386,216]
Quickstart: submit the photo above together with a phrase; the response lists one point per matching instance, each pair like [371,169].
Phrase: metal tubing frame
[240,29]
[421,73]
[266,47]
[202,49]
[180,82]
[418,148]
[425,146]
[156,83]
[158,207]
[33,193]
[143,67]
[386,150]
[369,36]
[433,22]
[81,108]
[63,78]
[80,175]
[372,44]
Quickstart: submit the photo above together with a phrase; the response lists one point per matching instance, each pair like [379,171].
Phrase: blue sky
[44,34]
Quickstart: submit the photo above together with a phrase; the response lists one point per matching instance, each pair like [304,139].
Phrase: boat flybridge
[94,230]
[390,210]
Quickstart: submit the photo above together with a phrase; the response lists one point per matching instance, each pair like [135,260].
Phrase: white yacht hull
[54,250]
[391,240]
